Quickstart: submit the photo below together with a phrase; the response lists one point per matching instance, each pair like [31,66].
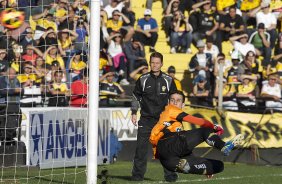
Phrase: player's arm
[194,120]
[199,121]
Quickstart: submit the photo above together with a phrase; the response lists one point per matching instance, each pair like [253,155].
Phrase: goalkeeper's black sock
[215,141]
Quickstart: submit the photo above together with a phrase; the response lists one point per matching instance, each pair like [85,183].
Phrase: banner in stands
[58,137]
[262,130]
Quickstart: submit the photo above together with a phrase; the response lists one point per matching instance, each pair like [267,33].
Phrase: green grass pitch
[119,173]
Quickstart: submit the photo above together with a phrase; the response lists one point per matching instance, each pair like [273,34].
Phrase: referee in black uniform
[151,94]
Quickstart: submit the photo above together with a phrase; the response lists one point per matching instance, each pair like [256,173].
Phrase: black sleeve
[193,63]
[240,21]
[172,87]
[181,116]
[136,97]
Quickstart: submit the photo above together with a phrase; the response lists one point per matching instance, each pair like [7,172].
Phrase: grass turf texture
[119,173]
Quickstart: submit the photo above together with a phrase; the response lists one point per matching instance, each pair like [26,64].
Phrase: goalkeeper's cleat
[229,145]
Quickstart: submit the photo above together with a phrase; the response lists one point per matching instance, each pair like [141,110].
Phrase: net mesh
[43,91]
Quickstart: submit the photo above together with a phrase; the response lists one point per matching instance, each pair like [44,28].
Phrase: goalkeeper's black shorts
[179,145]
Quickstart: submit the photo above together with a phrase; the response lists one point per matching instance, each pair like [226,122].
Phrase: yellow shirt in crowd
[65,44]
[24,77]
[115,26]
[77,66]
[246,89]
[49,60]
[248,5]
[221,4]
[62,87]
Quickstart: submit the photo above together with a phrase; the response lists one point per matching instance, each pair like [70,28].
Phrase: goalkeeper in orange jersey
[174,147]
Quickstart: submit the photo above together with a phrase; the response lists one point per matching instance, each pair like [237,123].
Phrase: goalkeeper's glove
[218,129]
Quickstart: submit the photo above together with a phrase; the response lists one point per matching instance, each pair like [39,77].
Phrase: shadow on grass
[52,180]
[127,178]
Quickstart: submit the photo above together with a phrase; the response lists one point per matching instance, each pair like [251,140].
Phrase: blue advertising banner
[58,138]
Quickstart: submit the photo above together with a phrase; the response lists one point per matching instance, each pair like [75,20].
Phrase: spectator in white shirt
[264,15]
[114,5]
[211,48]
[242,45]
[272,90]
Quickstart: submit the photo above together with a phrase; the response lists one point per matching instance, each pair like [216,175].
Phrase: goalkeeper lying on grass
[174,147]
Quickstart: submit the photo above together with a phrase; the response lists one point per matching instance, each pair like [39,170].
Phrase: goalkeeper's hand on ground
[218,129]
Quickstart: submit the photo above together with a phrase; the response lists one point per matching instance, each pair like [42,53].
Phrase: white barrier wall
[57,137]
[122,125]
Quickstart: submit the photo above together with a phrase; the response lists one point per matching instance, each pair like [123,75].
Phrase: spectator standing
[147,30]
[151,92]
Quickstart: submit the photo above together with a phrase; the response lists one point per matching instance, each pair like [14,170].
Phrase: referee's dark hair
[179,93]
[156,55]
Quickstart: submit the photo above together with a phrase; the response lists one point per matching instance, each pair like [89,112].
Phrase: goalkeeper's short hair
[179,93]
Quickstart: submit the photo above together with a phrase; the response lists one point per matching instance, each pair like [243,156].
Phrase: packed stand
[43,60]
[48,54]
[252,77]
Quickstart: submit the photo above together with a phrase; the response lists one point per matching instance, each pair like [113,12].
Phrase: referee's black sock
[215,141]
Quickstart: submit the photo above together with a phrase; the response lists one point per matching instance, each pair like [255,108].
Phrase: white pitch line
[215,178]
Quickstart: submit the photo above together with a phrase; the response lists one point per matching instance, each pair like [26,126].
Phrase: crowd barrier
[57,137]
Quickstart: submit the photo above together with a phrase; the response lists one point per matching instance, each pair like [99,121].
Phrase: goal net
[44,59]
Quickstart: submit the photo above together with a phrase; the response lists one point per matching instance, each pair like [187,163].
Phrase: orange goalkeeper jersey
[171,121]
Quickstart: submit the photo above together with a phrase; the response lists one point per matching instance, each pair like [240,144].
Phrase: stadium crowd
[47,57]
